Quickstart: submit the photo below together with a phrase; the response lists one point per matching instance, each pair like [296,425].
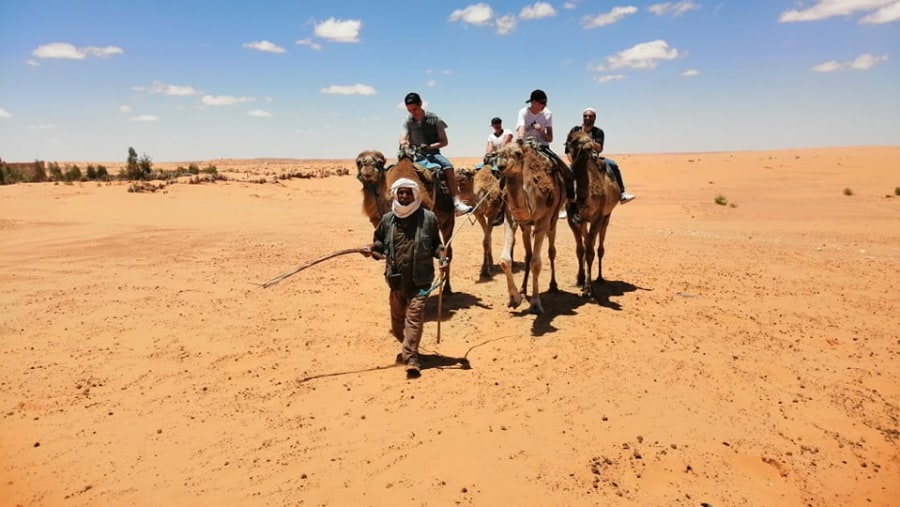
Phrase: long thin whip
[309,264]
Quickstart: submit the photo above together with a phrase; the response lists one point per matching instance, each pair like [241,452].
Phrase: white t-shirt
[497,142]
[527,119]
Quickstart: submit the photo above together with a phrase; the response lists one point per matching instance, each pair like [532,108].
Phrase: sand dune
[739,354]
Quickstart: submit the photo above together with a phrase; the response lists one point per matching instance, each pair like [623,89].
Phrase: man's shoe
[462,208]
[572,213]
[625,197]
[413,368]
[399,359]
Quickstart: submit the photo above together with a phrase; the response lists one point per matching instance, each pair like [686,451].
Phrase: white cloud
[339,30]
[32,62]
[357,89]
[264,46]
[861,62]
[124,109]
[674,9]
[690,73]
[66,51]
[645,55]
[259,113]
[866,61]
[144,118]
[537,11]
[104,52]
[310,43]
[62,50]
[609,78]
[4,113]
[41,126]
[824,9]
[506,24]
[613,16]
[160,88]
[431,83]
[886,14]
[224,100]
[478,14]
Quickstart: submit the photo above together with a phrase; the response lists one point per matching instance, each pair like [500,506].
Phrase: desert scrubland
[745,352]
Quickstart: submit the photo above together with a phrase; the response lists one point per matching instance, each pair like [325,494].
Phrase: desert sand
[738,354]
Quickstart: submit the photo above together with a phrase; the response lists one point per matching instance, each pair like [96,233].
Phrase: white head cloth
[400,210]
[590,110]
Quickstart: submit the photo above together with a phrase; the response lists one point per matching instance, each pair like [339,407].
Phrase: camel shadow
[497,271]
[562,303]
[556,304]
[606,289]
[450,305]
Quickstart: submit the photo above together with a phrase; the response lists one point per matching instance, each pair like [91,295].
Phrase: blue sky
[194,80]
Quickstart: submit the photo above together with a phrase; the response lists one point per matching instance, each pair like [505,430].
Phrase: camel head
[509,159]
[369,166]
[409,151]
[464,175]
[579,144]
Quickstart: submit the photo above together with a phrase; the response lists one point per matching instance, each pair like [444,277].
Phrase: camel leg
[578,234]
[588,289]
[447,234]
[528,244]
[487,261]
[509,237]
[535,264]
[601,238]
[551,252]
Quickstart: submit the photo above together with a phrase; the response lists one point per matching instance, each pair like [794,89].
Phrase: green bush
[721,200]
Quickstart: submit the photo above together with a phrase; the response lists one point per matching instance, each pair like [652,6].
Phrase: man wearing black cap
[426,129]
[536,121]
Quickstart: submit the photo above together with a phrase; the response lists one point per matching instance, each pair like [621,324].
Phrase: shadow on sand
[566,303]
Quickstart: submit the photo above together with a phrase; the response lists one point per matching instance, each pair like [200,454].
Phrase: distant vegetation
[721,200]
[848,191]
[136,169]
[140,172]
[40,171]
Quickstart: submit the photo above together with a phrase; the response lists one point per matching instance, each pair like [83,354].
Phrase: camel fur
[376,192]
[598,195]
[534,192]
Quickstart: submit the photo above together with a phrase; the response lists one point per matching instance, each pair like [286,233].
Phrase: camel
[533,192]
[376,189]
[481,189]
[598,195]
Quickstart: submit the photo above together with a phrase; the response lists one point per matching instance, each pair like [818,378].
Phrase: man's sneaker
[572,213]
[625,197]
[413,368]
[462,208]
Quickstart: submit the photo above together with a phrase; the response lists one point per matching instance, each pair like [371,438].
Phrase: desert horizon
[742,350]
[465,159]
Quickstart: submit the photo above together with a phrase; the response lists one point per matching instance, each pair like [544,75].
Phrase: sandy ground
[744,354]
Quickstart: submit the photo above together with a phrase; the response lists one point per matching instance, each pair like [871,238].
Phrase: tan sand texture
[738,354]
